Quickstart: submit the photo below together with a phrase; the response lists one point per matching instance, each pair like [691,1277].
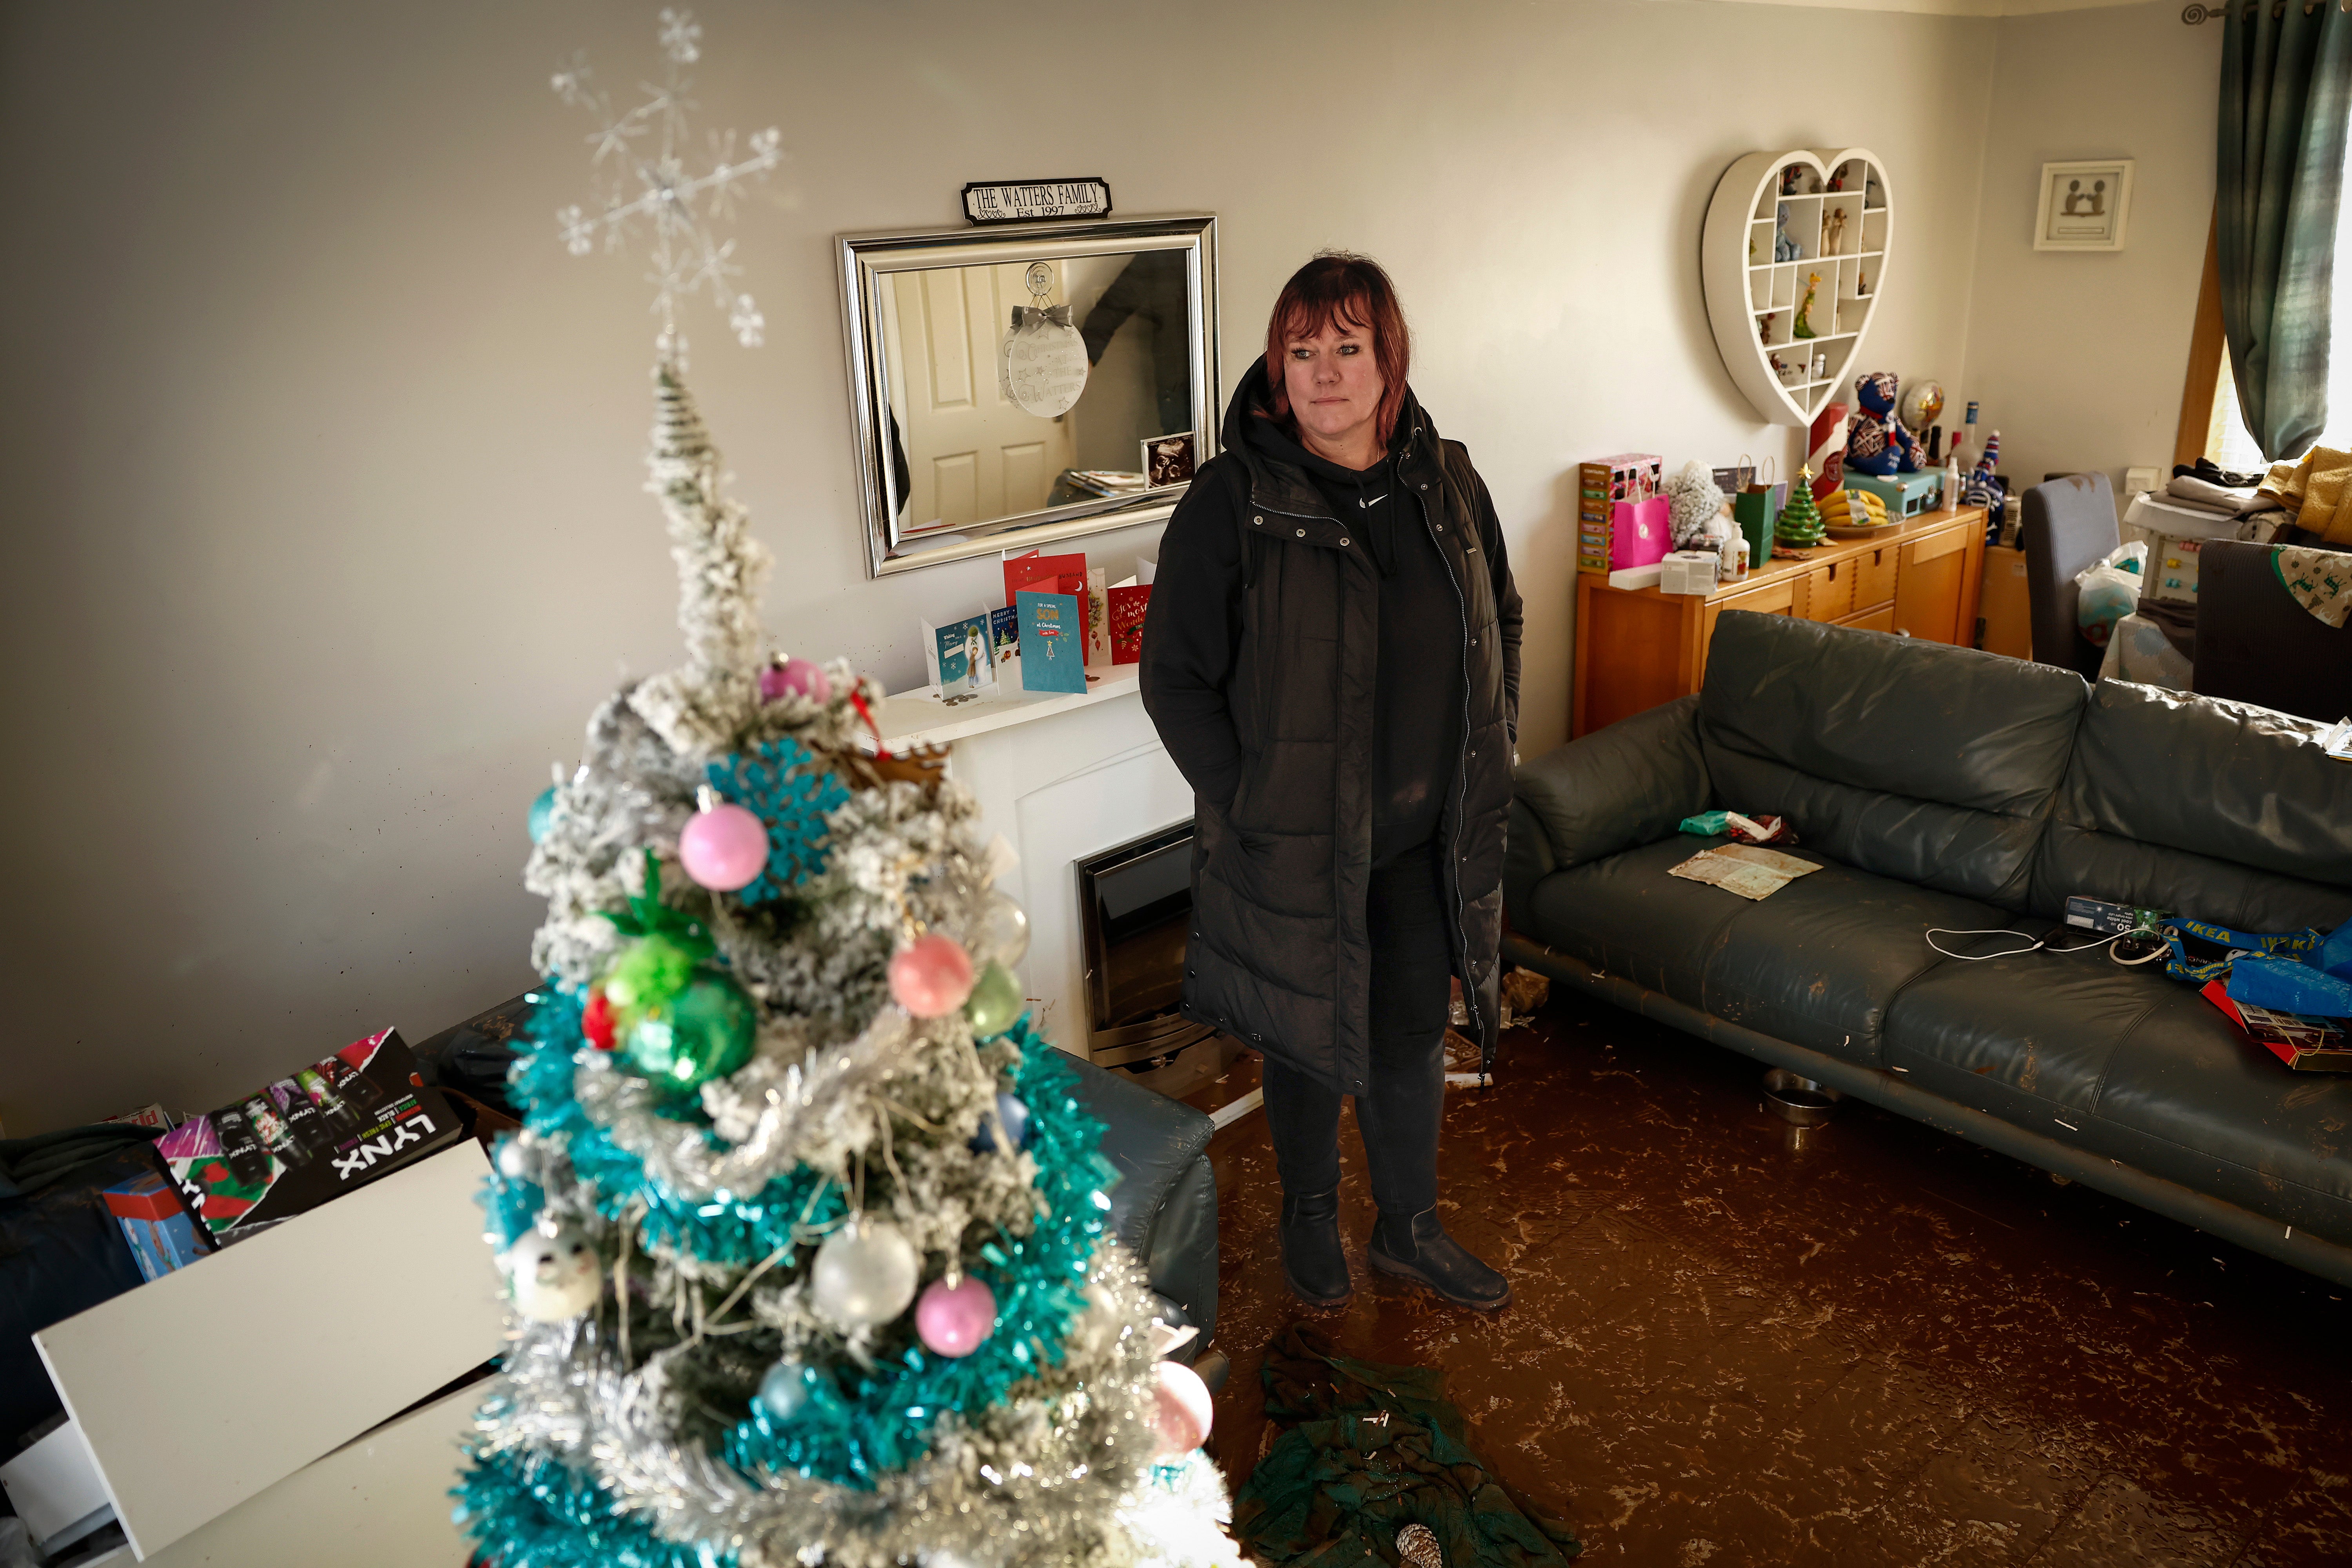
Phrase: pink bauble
[724,848]
[952,1322]
[798,675]
[1183,1410]
[930,976]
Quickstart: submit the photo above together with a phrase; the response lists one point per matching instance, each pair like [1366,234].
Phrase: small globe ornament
[995,1003]
[930,976]
[723,847]
[1013,1115]
[1004,931]
[864,1274]
[705,1030]
[554,1275]
[1923,404]
[1182,1410]
[952,1320]
[784,1389]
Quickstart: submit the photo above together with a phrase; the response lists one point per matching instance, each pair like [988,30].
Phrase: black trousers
[1412,962]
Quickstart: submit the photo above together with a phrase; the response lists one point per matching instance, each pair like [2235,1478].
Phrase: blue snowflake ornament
[784,786]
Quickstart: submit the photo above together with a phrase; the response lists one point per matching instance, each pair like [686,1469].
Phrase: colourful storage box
[1603,487]
[1905,495]
[156,1225]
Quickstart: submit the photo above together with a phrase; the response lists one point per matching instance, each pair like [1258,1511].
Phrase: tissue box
[1688,572]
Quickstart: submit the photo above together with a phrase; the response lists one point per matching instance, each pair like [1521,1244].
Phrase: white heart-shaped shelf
[1759,267]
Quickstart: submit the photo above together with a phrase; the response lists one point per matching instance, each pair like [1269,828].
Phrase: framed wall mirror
[1020,385]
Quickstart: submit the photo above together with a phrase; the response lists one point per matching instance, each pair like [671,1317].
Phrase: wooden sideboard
[1636,647]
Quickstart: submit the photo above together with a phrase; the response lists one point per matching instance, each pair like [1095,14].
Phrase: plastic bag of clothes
[2110,590]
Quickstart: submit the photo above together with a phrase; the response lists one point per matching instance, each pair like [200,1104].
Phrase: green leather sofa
[1944,787]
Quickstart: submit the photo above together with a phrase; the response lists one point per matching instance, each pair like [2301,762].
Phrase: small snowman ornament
[555,1274]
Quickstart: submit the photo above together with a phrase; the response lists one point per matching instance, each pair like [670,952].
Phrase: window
[2226,440]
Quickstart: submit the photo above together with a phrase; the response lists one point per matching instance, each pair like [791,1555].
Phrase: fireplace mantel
[1062,775]
[919,717]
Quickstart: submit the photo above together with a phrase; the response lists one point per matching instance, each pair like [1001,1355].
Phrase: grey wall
[2079,358]
[324,526]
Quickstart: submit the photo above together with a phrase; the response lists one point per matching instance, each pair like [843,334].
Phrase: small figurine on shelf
[1861,284]
[1804,328]
[1764,328]
[1837,181]
[1783,247]
[1822,366]
[1779,366]
[1788,178]
[1874,194]
[1800,526]
[1834,232]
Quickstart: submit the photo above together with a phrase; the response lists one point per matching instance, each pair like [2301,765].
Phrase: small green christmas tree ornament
[1800,526]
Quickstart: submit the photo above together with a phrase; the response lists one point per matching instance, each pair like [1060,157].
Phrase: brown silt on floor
[1871,1343]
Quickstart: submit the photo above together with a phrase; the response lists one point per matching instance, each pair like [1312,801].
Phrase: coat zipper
[1461,786]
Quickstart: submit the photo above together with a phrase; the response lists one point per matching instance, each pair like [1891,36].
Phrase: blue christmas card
[960,658]
[1053,642]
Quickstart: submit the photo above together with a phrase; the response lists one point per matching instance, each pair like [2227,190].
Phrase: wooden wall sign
[1022,201]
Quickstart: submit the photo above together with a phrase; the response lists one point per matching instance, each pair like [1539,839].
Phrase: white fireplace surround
[1062,776]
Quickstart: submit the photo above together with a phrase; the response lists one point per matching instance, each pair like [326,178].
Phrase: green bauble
[995,1004]
[649,971]
[705,1031]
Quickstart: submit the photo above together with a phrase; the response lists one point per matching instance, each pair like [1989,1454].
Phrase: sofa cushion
[1912,760]
[1816,963]
[1626,784]
[2135,1067]
[2215,810]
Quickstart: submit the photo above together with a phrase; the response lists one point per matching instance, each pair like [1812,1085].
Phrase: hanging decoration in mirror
[1045,359]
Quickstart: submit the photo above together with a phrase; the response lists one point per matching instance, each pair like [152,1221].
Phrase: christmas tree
[1800,526]
[804,1228]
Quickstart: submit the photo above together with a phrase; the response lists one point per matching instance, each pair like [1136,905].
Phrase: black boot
[1312,1260]
[1416,1247]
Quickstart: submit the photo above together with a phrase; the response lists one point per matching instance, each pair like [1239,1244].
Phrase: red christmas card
[1025,571]
[1126,607]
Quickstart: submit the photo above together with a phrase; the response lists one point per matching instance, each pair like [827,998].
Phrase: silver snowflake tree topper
[640,162]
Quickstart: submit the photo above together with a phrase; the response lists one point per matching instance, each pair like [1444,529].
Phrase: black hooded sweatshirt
[1417,693]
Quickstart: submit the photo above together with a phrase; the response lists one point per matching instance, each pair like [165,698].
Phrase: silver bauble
[1004,931]
[864,1274]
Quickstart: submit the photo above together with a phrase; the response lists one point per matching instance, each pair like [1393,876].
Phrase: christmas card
[1028,571]
[1005,634]
[1098,616]
[1126,607]
[959,653]
[1053,642]
[307,1139]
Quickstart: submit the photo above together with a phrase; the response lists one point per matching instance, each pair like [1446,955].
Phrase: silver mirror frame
[867,260]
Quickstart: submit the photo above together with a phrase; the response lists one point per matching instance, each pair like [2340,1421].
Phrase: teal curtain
[2286,87]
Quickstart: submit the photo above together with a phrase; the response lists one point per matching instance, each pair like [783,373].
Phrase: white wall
[325,530]
[2079,358]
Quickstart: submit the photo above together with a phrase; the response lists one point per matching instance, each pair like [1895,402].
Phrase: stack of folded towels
[2313,493]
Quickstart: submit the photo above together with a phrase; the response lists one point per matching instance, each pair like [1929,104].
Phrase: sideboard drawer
[1829,591]
[1873,576]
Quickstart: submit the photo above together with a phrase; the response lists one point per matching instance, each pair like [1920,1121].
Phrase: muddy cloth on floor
[1367,1450]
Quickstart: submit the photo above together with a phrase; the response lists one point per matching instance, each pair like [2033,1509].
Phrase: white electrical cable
[1935,932]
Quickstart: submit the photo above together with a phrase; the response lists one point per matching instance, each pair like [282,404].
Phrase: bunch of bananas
[1852,508]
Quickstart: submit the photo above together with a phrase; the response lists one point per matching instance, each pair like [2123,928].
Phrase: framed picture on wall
[2084,204]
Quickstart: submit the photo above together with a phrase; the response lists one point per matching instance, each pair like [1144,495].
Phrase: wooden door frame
[2206,346]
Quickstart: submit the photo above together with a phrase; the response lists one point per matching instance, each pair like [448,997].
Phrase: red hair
[1337,288]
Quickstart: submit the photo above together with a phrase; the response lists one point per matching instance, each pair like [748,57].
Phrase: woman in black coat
[1332,659]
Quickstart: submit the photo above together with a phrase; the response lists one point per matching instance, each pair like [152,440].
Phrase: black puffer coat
[1276,742]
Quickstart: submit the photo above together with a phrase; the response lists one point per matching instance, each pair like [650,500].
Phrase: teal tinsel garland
[536,1513]
[856,1423]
